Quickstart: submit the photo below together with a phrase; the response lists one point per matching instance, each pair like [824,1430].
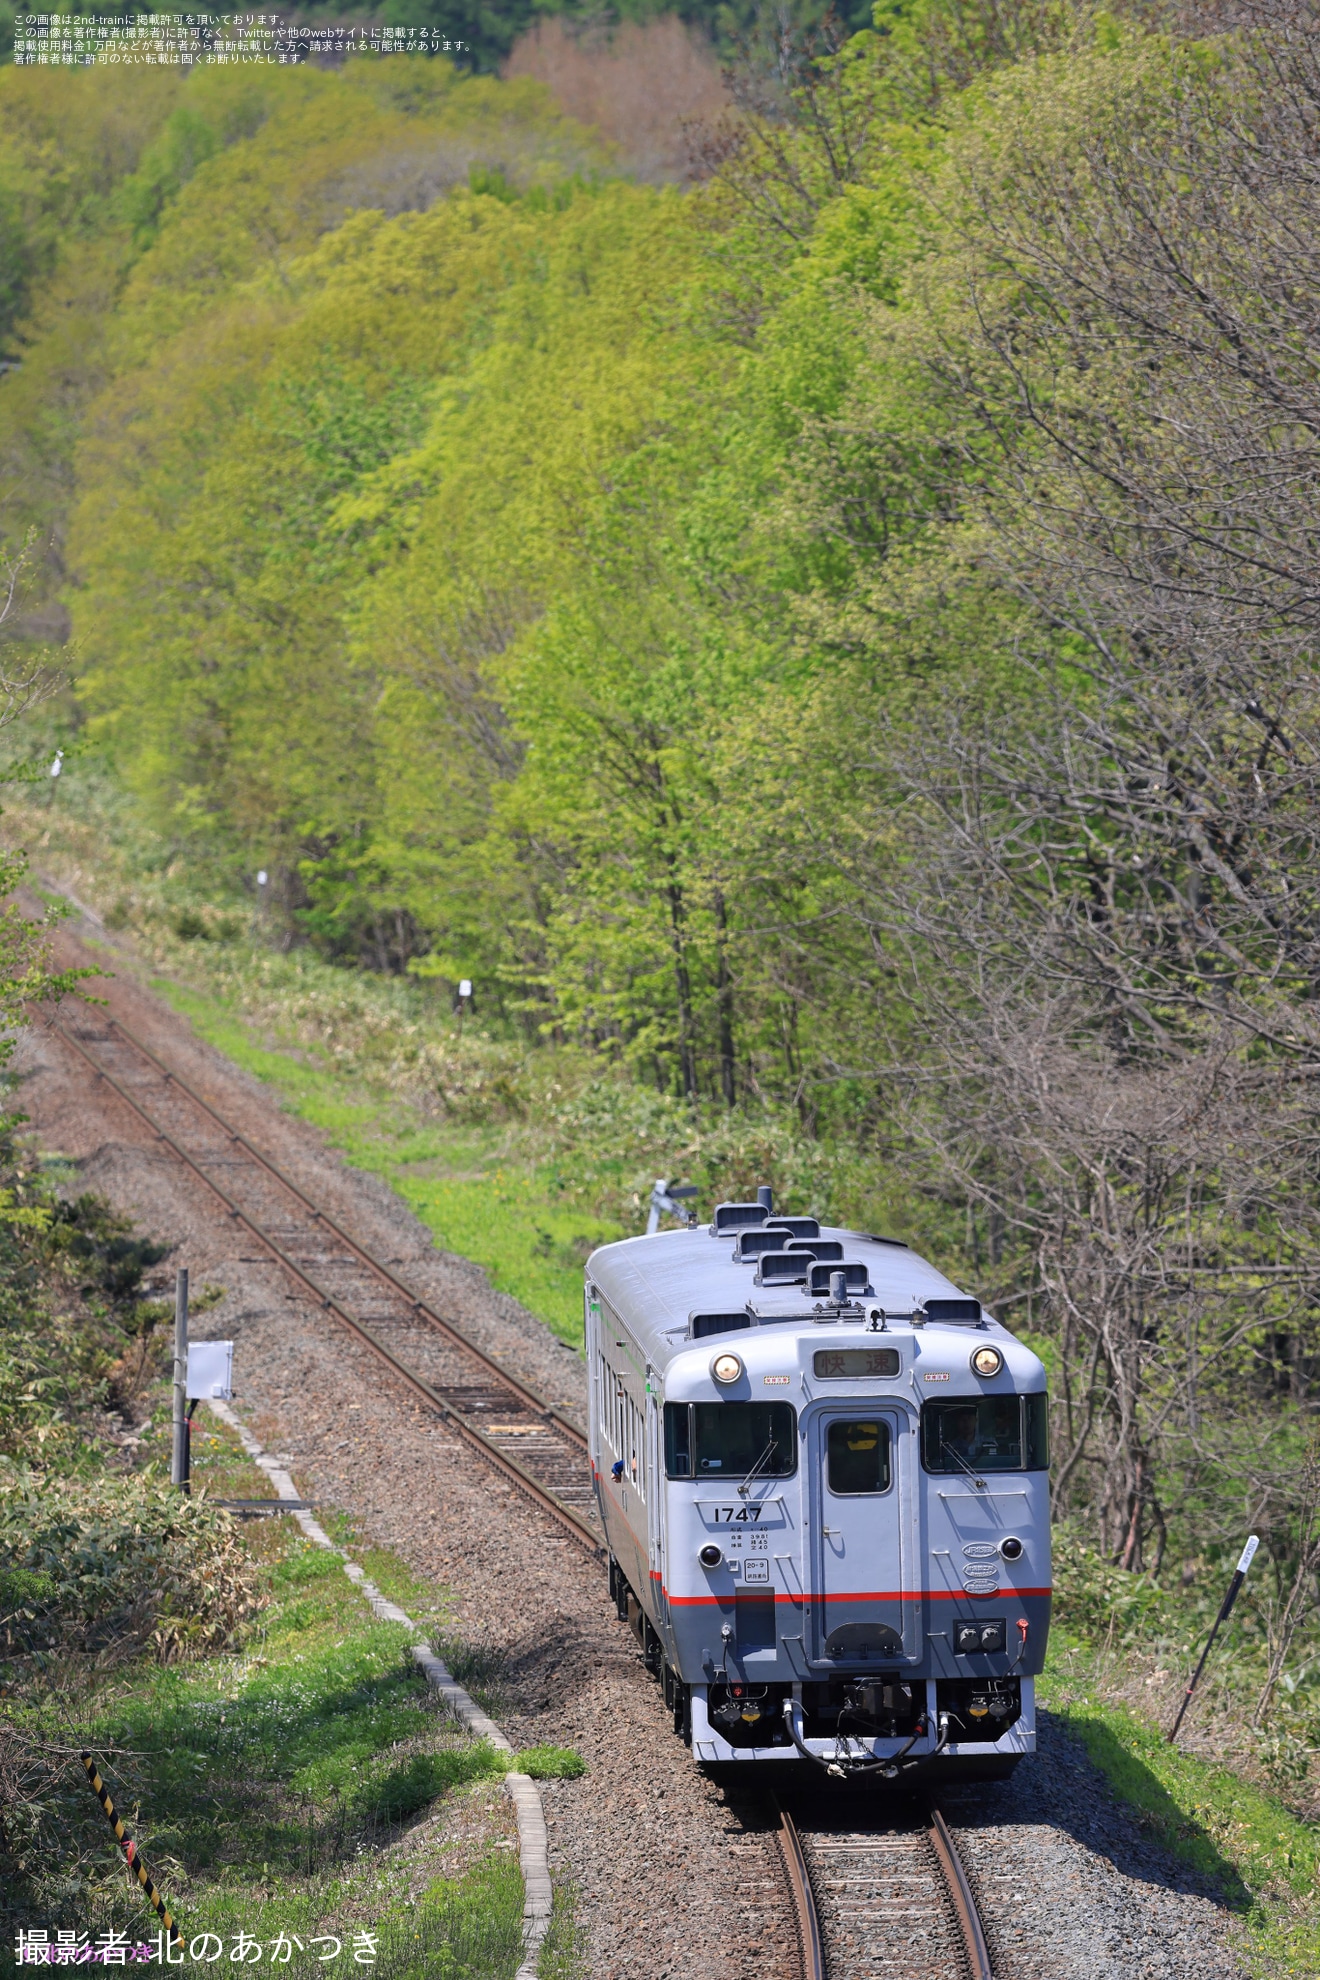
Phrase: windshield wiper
[754,1473]
[959,1459]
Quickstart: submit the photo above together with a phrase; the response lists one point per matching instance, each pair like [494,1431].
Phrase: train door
[655,1470]
[866,1594]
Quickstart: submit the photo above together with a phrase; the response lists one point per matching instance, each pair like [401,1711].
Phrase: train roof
[656,1284]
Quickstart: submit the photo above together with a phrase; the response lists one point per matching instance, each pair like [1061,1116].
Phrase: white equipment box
[210,1370]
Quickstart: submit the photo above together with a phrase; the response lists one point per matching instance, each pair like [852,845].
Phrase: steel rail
[815,1965]
[522,1390]
[804,1902]
[520,1476]
[964,1904]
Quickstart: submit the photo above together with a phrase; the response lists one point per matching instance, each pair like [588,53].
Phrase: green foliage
[117,1564]
[475,646]
[1097,1599]
[101,1249]
[75,1325]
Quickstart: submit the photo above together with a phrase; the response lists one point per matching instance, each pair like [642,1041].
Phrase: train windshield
[730,1439]
[986,1433]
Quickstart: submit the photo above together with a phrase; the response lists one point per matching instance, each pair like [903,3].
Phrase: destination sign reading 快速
[855,1361]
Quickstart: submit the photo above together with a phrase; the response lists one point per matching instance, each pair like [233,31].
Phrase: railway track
[531,1442]
[876,1896]
[879,1895]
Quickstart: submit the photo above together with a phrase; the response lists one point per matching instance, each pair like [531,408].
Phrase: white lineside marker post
[464,999]
[1225,1610]
[179,1466]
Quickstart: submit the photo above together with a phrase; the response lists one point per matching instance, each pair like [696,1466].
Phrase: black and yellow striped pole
[130,1850]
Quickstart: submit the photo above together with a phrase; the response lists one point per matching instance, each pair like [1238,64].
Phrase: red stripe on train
[861,1595]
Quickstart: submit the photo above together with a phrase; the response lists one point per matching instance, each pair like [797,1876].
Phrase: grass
[551,1763]
[278,1790]
[1262,1859]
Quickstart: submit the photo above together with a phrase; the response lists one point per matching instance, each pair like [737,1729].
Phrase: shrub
[1094,1596]
[118,1564]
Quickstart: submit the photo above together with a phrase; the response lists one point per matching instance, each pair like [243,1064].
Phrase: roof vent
[782,1268]
[815,1247]
[730,1217]
[852,1270]
[702,1325]
[953,1312]
[765,1196]
[751,1244]
[798,1227]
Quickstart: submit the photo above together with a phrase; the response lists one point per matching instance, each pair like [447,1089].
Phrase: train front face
[855,1550]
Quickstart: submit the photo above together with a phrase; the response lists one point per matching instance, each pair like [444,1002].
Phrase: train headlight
[987,1361]
[726,1368]
[710,1555]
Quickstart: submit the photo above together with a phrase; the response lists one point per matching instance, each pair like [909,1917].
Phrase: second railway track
[534,1444]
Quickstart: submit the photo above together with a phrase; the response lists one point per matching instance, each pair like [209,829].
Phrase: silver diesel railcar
[821,1469]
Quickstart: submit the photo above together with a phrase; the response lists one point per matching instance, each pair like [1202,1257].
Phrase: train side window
[603,1403]
[637,1448]
[678,1440]
[614,1407]
[622,1426]
[857,1456]
[985,1433]
[1037,1409]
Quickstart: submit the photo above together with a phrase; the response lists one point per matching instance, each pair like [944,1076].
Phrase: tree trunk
[724,1002]
[683,984]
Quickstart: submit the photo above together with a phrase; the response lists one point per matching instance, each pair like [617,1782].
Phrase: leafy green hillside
[833,646]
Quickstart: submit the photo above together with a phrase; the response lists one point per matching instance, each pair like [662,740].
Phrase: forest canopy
[836,639]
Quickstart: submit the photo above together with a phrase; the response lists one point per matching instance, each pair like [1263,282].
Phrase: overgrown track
[534,1444]
[879,1894]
